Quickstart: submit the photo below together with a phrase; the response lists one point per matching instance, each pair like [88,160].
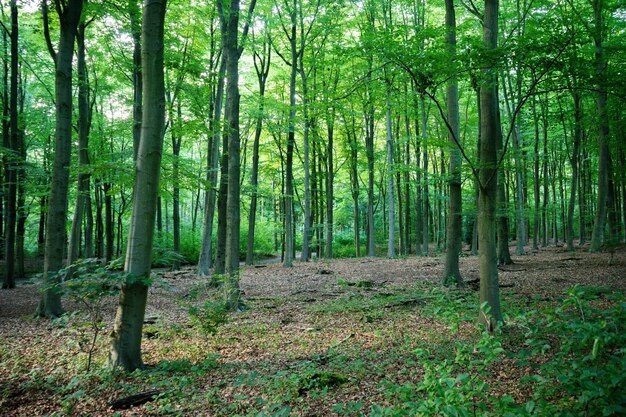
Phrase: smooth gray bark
[262,66]
[126,336]
[50,304]
[490,130]
[597,236]
[84,125]
[454,227]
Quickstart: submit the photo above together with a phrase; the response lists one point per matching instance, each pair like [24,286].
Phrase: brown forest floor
[278,332]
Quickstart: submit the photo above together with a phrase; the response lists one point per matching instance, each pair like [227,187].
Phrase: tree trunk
[330,179]
[108,222]
[176,144]
[597,237]
[231,54]
[222,201]
[206,252]
[262,66]
[426,209]
[84,124]
[418,192]
[490,130]
[305,255]
[291,138]
[546,179]
[50,305]
[13,164]
[454,228]
[369,151]
[574,162]
[354,181]
[135,29]
[126,335]
[504,256]
[391,248]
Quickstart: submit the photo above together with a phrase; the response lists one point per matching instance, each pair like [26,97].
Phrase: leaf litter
[289,349]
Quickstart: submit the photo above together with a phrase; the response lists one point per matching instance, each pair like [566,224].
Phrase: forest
[313,208]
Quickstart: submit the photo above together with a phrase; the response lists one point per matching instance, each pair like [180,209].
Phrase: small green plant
[207,309]
[88,283]
[586,339]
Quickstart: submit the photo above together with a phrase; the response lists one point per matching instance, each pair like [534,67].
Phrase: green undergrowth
[371,351]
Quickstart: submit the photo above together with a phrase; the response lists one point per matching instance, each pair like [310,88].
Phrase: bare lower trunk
[391,211]
[50,304]
[489,285]
[206,250]
[126,336]
[454,227]
[84,124]
[597,237]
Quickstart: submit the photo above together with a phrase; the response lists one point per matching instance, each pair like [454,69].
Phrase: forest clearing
[344,337]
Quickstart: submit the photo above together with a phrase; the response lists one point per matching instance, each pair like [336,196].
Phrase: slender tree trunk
[597,237]
[20,232]
[222,200]
[391,211]
[622,164]
[50,305]
[419,188]
[504,256]
[305,254]
[135,29]
[491,131]
[546,179]
[126,335]
[206,252]
[476,180]
[537,182]
[262,66]
[330,179]
[451,272]
[291,138]
[84,124]
[13,160]
[354,180]
[574,162]
[369,151]
[6,138]
[425,199]
[176,144]
[108,222]
[232,53]
[407,186]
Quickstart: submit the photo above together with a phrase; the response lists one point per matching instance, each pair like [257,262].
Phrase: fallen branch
[135,400]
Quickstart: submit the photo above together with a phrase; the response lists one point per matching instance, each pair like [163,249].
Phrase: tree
[126,335]
[597,237]
[11,174]
[84,126]
[454,226]
[69,16]
[229,17]
[490,130]
[262,63]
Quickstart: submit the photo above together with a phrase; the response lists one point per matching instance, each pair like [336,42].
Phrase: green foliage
[587,341]
[165,257]
[263,239]
[576,349]
[207,309]
[90,285]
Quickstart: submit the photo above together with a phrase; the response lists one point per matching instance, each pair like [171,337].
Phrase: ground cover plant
[352,337]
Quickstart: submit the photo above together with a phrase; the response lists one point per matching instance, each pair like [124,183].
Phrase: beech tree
[69,17]
[454,229]
[490,131]
[126,335]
